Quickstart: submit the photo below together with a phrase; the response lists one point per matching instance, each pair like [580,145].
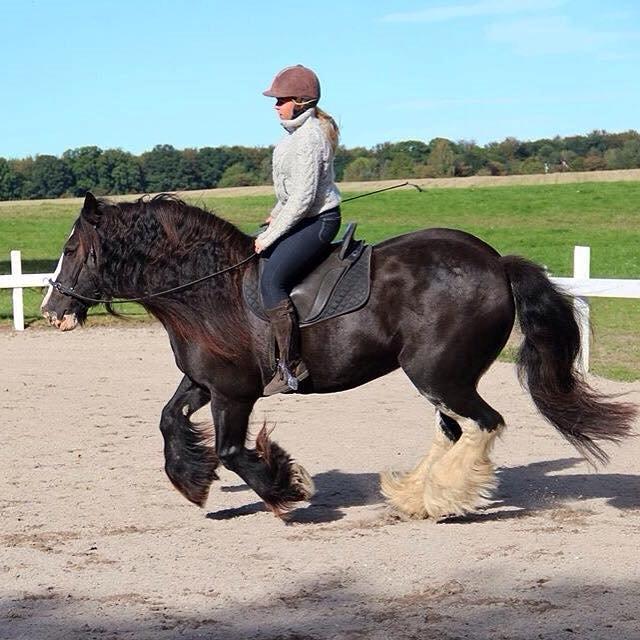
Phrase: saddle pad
[334,288]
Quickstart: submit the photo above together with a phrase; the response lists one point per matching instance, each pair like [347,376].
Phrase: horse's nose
[51,318]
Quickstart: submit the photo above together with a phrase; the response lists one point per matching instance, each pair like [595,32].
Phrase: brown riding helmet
[294,82]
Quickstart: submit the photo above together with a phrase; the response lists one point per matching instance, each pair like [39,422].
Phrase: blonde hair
[328,124]
[330,127]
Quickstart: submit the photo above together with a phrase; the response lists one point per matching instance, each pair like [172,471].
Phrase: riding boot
[291,369]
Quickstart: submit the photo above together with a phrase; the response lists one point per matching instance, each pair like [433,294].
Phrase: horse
[441,307]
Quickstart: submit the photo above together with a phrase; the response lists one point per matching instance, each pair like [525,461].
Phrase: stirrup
[287,380]
[288,377]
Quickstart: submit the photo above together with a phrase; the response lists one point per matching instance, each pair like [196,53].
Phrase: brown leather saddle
[338,285]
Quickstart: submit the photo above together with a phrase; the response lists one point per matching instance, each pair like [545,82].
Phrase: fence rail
[580,285]
[19,281]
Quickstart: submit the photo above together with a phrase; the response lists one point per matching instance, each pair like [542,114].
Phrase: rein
[70,292]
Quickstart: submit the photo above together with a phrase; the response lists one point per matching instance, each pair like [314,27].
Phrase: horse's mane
[185,226]
[160,242]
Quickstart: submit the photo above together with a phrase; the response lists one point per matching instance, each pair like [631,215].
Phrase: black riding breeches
[290,258]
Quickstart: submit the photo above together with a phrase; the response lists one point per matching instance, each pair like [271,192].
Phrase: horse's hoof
[301,482]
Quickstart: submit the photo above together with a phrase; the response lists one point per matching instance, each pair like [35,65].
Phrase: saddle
[338,285]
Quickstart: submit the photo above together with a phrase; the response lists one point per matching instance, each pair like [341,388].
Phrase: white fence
[581,286]
[19,281]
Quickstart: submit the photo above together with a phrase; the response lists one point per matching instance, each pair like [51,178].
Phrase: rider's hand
[257,246]
[268,220]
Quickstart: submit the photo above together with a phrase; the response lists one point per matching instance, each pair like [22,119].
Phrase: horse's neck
[209,314]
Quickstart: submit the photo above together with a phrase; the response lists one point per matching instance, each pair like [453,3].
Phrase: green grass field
[541,222]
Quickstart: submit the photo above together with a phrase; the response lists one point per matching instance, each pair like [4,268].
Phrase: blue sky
[136,73]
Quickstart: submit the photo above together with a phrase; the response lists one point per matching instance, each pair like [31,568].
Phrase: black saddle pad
[337,286]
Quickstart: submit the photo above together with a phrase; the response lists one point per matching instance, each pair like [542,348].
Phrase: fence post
[18,308]
[582,271]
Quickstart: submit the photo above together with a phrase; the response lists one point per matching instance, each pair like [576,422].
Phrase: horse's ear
[91,209]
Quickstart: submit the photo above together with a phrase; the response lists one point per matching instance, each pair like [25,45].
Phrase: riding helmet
[294,82]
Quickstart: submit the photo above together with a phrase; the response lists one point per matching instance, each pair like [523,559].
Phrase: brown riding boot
[291,369]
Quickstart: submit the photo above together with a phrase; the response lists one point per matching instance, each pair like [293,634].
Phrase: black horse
[442,306]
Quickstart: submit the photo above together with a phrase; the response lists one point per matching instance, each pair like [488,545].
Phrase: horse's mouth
[68,322]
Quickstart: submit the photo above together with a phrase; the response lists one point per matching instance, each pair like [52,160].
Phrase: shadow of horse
[529,489]
[335,490]
[523,491]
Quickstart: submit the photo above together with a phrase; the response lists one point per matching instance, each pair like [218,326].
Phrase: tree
[161,168]
[83,165]
[49,177]
[237,175]
[628,157]
[416,150]
[362,169]
[165,168]
[10,181]
[188,170]
[441,159]
[493,168]
[342,158]
[211,165]
[119,172]
[265,172]
[548,153]
[594,161]
[532,165]
[400,166]
[469,159]
[510,150]
[597,141]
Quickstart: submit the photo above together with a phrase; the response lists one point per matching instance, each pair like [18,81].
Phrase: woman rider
[306,217]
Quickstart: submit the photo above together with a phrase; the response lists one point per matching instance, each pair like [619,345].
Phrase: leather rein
[68,291]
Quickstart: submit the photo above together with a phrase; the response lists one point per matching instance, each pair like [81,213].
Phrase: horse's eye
[69,251]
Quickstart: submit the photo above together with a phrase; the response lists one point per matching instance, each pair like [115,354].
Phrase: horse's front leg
[268,469]
[190,460]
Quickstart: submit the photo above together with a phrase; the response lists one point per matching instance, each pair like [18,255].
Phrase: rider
[306,217]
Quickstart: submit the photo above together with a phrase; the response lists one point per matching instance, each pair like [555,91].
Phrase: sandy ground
[95,543]
[616,175]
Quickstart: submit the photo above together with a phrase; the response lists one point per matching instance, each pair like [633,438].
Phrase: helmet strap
[302,105]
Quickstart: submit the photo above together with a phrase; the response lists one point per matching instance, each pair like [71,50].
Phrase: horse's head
[77,271]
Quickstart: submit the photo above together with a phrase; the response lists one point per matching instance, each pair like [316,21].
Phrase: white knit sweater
[302,176]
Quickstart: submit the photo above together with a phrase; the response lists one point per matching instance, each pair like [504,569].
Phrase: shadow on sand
[336,605]
[539,486]
[523,491]
[335,490]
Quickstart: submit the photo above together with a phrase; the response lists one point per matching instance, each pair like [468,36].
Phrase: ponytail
[328,124]
[330,127]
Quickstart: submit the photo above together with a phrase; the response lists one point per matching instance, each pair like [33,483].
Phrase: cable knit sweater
[302,176]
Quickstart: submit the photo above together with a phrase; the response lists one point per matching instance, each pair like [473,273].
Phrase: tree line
[164,168]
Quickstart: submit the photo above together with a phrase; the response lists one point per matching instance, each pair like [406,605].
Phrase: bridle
[68,291]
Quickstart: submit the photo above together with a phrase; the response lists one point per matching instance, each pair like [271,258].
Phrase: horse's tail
[546,364]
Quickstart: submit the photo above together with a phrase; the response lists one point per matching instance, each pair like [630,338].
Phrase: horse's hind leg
[405,491]
[189,463]
[456,475]
[464,477]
